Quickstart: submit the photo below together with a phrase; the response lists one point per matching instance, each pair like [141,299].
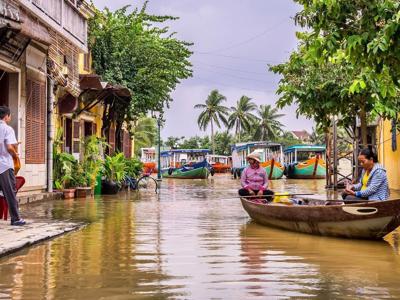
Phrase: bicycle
[145,182]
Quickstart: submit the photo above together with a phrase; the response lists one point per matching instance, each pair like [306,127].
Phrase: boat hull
[221,168]
[199,173]
[371,220]
[274,169]
[309,169]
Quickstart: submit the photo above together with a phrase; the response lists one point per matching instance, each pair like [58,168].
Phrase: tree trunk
[239,132]
[212,137]
[363,120]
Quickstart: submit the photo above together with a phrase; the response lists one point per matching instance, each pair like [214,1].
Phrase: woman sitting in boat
[373,183]
[254,178]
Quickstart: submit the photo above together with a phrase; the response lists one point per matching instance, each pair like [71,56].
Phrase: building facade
[40,44]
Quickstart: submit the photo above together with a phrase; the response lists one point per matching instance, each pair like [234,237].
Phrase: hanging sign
[9,11]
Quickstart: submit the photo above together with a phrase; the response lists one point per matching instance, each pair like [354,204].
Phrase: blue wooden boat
[305,162]
[271,158]
[185,164]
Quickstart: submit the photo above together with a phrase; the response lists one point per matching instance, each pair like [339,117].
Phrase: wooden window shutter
[111,139]
[76,137]
[127,144]
[94,129]
[35,131]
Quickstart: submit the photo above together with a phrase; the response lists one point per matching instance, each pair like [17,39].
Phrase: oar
[276,194]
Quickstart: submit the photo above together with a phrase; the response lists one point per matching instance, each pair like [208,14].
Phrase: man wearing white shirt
[8,151]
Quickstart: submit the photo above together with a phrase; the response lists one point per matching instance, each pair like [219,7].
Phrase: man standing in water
[8,151]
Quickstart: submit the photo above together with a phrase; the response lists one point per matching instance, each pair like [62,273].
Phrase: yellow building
[80,117]
[388,155]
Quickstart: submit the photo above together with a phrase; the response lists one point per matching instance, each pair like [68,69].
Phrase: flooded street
[193,241]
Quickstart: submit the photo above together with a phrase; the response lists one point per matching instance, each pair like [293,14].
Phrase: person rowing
[373,184]
[254,179]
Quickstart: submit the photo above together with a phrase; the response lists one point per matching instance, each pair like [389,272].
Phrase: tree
[129,49]
[317,136]
[212,112]
[364,35]
[191,143]
[144,133]
[287,139]
[173,142]
[242,116]
[268,127]
[223,143]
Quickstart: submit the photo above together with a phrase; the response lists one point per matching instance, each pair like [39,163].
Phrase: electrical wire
[238,44]
[235,86]
[238,57]
[226,68]
[239,77]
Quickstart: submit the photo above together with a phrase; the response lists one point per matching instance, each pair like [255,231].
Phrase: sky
[234,41]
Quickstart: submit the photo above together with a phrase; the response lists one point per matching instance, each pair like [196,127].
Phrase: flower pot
[109,187]
[69,193]
[84,192]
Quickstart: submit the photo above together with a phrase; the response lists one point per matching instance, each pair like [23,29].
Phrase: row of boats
[299,162]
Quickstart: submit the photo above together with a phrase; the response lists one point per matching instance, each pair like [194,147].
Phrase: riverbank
[15,238]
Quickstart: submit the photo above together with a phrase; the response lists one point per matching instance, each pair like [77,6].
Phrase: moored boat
[305,162]
[361,220]
[185,164]
[271,158]
[148,158]
[219,163]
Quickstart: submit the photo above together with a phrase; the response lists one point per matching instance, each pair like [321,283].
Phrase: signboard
[9,11]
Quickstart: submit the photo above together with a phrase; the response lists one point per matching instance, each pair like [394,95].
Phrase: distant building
[303,135]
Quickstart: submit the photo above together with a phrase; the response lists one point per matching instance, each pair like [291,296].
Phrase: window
[35,140]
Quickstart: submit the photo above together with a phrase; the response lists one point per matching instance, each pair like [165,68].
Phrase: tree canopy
[136,50]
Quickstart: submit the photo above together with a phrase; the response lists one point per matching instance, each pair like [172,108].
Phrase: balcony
[64,16]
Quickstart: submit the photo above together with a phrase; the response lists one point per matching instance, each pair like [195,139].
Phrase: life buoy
[170,170]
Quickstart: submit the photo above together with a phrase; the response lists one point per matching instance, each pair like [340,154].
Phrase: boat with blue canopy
[305,162]
[271,158]
[185,163]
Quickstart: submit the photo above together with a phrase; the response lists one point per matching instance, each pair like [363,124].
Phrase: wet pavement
[193,241]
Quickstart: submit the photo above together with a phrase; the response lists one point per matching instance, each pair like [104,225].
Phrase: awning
[95,91]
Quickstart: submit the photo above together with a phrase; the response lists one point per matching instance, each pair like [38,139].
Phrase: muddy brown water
[194,241]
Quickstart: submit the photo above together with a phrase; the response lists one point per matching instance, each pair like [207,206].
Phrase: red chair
[20,181]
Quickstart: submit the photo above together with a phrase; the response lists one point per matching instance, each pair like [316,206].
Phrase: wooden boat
[361,220]
[305,162]
[148,158]
[219,163]
[185,164]
[271,158]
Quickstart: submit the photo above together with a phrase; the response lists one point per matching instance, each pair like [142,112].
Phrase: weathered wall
[387,157]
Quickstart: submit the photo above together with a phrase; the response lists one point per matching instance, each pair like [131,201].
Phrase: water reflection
[194,241]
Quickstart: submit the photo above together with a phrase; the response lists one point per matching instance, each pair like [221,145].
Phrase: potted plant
[90,167]
[114,172]
[64,166]
[83,190]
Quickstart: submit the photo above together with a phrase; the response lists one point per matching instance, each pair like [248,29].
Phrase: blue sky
[234,41]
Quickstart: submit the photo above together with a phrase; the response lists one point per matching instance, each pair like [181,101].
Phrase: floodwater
[194,241]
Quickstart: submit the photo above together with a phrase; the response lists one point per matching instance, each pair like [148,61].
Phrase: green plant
[115,169]
[133,167]
[64,170]
[92,162]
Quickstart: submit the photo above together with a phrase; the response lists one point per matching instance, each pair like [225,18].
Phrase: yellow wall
[387,157]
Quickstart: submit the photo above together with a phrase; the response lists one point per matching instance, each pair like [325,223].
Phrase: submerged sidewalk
[14,238]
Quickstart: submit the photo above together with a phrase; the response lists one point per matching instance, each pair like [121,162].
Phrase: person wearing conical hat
[254,178]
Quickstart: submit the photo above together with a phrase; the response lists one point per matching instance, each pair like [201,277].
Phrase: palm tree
[213,112]
[268,127]
[144,133]
[242,116]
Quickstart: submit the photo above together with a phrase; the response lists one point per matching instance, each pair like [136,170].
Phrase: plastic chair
[20,181]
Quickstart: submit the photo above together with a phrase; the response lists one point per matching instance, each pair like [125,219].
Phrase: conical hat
[254,155]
